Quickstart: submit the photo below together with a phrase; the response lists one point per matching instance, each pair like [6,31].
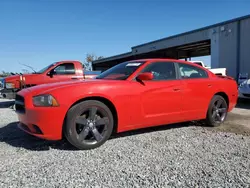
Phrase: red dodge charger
[131,95]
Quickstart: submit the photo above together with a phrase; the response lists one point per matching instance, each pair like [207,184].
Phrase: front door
[63,72]
[160,98]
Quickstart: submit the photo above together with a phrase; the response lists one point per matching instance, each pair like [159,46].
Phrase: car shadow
[12,135]
[7,104]
[243,104]
[152,129]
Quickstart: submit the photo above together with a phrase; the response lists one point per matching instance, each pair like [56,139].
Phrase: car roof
[161,59]
[167,59]
[152,60]
[67,61]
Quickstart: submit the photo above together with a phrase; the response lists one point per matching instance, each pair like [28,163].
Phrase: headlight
[45,100]
[10,85]
[242,85]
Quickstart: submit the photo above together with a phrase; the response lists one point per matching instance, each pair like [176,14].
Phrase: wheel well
[107,102]
[224,95]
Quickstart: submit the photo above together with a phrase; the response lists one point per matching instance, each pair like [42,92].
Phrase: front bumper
[7,93]
[244,95]
[1,89]
[42,122]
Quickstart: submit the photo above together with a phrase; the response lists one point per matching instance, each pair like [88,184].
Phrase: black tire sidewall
[70,123]
[209,119]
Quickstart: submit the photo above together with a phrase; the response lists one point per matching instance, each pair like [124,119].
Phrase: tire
[85,131]
[214,109]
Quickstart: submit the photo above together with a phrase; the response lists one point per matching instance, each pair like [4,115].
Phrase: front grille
[20,104]
[246,95]
[30,128]
[37,129]
[25,127]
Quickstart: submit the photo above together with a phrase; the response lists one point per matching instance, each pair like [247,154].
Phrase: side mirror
[145,76]
[50,74]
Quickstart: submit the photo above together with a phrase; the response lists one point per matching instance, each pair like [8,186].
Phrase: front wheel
[88,124]
[217,111]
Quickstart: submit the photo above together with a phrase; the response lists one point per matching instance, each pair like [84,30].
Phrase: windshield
[121,71]
[45,68]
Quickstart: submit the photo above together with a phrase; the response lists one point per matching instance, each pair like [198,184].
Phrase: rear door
[197,91]
[161,97]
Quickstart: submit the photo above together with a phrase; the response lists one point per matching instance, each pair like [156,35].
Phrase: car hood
[12,78]
[45,88]
[27,77]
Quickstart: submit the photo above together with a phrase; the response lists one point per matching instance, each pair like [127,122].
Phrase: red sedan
[131,95]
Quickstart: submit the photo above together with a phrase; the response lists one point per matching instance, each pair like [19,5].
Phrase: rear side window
[65,69]
[162,70]
[191,72]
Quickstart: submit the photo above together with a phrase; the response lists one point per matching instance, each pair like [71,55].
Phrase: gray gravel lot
[183,155]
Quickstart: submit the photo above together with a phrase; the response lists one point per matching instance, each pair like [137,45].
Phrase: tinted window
[162,70]
[189,71]
[66,68]
[121,71]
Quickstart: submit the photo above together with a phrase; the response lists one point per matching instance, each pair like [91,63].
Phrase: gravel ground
[185,155]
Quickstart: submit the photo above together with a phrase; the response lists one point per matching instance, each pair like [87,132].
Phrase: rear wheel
[88,124]
[217,111]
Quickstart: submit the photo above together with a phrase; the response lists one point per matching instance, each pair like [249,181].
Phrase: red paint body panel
[137,105]
[43,78]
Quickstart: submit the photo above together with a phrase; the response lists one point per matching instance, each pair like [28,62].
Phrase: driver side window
[161,70]
[64,69]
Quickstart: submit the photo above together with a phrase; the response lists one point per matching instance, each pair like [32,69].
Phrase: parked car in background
[244,89]
[217,71]
[131,95]
[56,72]
[242,77]
[1,84]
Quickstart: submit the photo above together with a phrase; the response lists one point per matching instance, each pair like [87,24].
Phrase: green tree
[89,59]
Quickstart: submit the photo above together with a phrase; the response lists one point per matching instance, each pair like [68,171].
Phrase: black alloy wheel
[88,124]
[217,111]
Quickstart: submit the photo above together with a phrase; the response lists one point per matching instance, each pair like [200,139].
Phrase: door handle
[176,89]
[209,85]
[73,78]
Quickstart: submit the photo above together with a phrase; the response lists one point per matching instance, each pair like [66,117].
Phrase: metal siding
[245,46]
[214,38]
[172,42]
[200,29]
[228,48]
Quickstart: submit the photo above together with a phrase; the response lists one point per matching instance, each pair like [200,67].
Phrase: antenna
[28,66]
